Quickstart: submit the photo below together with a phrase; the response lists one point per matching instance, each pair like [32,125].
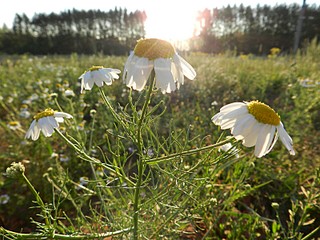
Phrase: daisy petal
[186,68]
[264,140]
[251,138]
[285,139]
[164,78]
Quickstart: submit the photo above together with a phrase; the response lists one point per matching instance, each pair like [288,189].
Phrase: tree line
[73,31]
[242,28]
[254,30]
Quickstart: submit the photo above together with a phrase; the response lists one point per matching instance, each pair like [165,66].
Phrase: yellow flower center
[45,113]
[95,68]
[153,48]
[14,123]
[263,113]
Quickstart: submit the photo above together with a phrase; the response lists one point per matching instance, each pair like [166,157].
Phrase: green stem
[93,169]
[113,112]
[62,236]
[38,199]
[86,157]
[187,152]
[140,162]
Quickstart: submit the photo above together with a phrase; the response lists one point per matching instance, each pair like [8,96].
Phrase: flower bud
[15,170]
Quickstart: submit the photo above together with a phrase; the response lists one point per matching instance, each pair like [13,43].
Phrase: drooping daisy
[256,124]
[98,75]
[161,56]
[46,122]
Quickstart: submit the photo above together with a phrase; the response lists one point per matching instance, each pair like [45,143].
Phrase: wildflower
[274,52]
[14,125]
[80,126]
[34,97]
[47,81]
[98,75]
[82,182]
[24,113]
[161,56]
[100,172]
[54,155]
[256,124]
[69,93]
[60,87]
[15,170]
[46,122]
[64,158]
[4,198]
[306,83]
[93,112]
[214,103]
[9,100]
[149,152]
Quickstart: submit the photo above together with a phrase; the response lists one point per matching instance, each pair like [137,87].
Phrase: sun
[172,22]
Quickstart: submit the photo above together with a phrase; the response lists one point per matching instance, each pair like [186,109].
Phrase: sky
[167,19]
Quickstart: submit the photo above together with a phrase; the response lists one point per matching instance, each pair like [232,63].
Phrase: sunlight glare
[173,21]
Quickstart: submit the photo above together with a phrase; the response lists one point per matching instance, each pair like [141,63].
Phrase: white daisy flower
[256,124]
[69,93]
[46,122]
[14,125]
[161,56]
[98,75]
[307,83]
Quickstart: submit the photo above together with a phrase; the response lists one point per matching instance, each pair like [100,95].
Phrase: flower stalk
[86,157]
[141,161]
[187,152]
[17,235]
[38,199]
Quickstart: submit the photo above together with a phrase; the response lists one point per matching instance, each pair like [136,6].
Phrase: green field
[208,194]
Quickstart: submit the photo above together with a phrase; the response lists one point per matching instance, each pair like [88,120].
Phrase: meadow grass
[208,194]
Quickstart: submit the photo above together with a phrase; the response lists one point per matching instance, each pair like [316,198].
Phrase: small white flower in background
[24,113]
[4,198]
[100,172]
[14,125]
[54,155]
[256,124]
[9,99]
[307,83]
[46,122]
[34,97]
[149,152]
[47,81]
[69,93]
[214,103]
[82,182]
[161,56]
[63,158]
[98,75]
